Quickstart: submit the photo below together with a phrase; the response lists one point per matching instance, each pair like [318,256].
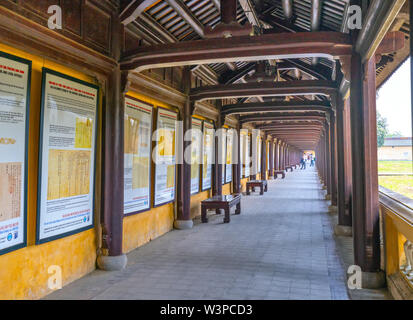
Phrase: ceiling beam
[287,9]
[186,14]
[183,11]
[266,117]
[250,13]
[254,89]
[321,72]
[233,76]
[316,8]
[242,48]
[133,9]
[380,17]
[280,25]
[282,106]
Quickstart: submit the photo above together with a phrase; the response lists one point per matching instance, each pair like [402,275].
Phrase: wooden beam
[280,25]
[380,16]
[299,106]
[242,48]
[232,76]
[283,116]
[183,11]
[250,13]
[321,72]
[134,9]
[284,88]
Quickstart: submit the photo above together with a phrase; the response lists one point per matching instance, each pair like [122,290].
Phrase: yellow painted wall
[227,189]
[143,227]
[24,273]
[244,184]
[196,202]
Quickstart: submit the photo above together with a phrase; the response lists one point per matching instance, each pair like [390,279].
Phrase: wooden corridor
[280,247]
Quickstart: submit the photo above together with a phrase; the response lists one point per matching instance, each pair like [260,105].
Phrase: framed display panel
[259,155]
[67,156]
[228,163]
[224,153]
[196,154]
[15,81]
[137,158]
[165,157]
[242,152]
[247,155]
[208,154]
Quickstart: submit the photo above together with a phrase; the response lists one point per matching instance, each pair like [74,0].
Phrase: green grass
[395,166]
[399,184]
[402,185]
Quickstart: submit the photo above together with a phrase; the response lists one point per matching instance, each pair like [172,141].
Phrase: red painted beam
[242,48]
[283,88]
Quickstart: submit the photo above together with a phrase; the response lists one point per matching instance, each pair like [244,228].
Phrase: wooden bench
[289,168]
[221,202]
[279,172]
[257,183]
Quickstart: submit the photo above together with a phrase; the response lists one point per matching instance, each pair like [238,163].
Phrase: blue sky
[393,101]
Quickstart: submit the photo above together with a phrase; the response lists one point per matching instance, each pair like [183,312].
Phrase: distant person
[302,163]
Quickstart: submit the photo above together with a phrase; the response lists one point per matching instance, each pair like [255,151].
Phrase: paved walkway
[280,247]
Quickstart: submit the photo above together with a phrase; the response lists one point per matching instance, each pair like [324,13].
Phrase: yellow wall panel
[143,227]
[24,273]
[196,202]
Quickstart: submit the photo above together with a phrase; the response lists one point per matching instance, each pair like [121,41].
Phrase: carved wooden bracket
[125,82]
[227,30]
[346,66]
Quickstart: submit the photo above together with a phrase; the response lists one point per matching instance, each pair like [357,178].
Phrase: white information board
[196,154]
[67,156]
[165,157]
[247,156]
[137,159]
[208,155]
[229,162]
[224,153]
[15,76]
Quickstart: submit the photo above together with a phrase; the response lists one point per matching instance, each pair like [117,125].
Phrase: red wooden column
[323,160]
[282,156]
[365,200]
[112,257]
[264,158]
[343,228]
[328,160]
[333,164]
[271,160]
[183,220]
[276,156]
[287,156]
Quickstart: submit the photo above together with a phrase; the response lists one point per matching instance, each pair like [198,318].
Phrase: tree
[382,130]
[395,134]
